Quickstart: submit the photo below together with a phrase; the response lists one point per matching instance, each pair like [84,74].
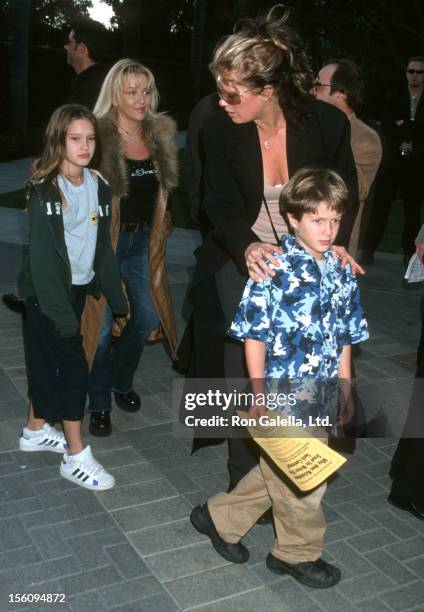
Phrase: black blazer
[234,181]
[397,109]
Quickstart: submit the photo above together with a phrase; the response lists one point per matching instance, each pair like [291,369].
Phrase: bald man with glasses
[402,128]
[340,83]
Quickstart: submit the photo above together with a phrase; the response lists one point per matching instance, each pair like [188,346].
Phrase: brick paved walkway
[133,548]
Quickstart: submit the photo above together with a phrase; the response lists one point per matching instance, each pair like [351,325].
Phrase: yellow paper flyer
[307,461]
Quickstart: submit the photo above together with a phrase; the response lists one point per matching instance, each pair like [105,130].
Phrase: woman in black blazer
[268,127]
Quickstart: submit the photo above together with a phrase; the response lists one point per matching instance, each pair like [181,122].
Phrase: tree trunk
[197,38]
[18,24]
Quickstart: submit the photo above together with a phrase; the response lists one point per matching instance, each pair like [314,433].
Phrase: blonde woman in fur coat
[139,159]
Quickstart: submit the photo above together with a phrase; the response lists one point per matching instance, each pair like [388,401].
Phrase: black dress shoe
[201,520]
[409,506]
[13,303]
[128,401]
[266,518]
[100,424]
[315,574]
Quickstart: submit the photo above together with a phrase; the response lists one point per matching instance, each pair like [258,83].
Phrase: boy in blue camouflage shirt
[298,327]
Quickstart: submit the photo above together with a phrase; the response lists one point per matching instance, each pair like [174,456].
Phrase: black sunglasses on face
[233,98]
[412,71]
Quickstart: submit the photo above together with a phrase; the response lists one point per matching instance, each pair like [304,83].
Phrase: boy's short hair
[308,187]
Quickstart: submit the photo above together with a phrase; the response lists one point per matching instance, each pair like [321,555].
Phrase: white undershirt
[80,220]
[262,226]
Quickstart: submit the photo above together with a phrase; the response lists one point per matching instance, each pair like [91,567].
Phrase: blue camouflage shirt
[304,318]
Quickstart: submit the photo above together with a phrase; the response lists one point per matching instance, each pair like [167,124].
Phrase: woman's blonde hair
[54,147]
[108,101]
[267,51]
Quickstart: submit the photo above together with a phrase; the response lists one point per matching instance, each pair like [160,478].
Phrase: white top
[80,219]
[321,265]
[262,226]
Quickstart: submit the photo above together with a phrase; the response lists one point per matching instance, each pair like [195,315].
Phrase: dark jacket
[397,110]
[194,158]
[85,87]
[46,273]
[234,181]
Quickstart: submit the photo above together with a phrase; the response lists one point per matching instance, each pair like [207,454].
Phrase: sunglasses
[233,98]
[412,71]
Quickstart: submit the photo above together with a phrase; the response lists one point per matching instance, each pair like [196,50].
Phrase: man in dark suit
[402,129]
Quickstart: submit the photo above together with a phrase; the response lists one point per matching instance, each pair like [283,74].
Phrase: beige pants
[299,521]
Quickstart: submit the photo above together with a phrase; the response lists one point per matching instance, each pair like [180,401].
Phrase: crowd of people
[279,167]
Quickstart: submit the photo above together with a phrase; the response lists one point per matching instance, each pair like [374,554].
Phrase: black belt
[132,227]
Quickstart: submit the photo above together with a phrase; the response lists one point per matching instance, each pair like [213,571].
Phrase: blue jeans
[114,368]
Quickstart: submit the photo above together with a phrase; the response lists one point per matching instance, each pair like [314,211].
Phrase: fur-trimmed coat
[159,133]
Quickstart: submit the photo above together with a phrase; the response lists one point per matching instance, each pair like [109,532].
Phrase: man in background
[340,84]
[402,128]
[85,47]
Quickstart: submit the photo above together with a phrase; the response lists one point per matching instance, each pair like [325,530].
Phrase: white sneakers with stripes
[45,439]
[84,470]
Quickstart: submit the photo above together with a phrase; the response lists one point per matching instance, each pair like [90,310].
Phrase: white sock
[32,432]
[76,455]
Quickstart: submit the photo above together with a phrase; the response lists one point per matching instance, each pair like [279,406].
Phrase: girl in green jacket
[70,256]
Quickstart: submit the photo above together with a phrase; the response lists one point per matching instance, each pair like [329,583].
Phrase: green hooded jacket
[46,274]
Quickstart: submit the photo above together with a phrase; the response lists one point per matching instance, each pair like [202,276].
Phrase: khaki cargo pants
[299,521]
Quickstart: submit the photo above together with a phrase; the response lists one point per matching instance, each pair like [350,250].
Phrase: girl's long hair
[54,147]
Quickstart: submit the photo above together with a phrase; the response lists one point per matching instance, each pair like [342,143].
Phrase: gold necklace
[267,141]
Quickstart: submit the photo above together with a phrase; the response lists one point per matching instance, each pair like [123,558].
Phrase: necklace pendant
[267,144]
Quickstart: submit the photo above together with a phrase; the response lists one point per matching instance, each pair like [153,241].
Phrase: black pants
[406,175]
[56,367]
[243,452]
[408,461]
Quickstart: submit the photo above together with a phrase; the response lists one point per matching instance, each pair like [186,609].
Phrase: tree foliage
[379,35]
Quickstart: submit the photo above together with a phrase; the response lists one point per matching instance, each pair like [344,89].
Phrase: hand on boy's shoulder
[343,256]
[259,256]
